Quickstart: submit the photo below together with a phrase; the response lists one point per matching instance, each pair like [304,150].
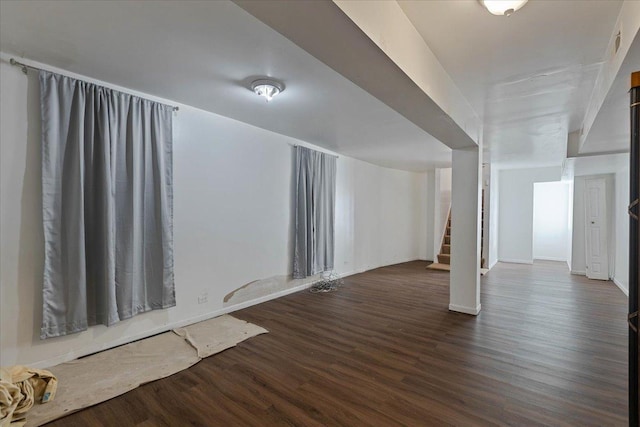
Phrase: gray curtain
[314,204]
[107,192]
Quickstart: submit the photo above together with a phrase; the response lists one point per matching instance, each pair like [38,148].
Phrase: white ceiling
[611,128]
[529,76]
[205,54]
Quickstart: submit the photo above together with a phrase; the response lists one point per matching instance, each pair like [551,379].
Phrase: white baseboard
[170,326]
[579,272]
[516,261]
[621,286]
[466,310]
[350,273]
[547,258]
[493,264]
[84,351]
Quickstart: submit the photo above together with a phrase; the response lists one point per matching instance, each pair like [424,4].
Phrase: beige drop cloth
[93,379]
[213,336]
[88,381]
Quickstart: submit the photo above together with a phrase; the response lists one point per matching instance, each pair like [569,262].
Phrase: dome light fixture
[267,88]
[503,7]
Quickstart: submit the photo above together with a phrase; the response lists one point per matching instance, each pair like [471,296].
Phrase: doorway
[552,221]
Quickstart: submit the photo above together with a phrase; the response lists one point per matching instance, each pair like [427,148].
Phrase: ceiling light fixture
[267,88]
[503,7]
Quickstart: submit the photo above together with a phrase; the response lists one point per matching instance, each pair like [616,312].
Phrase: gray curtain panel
[107,193]
[314,203]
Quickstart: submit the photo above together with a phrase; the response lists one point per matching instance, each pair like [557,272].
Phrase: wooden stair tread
[444,258]
[437,266]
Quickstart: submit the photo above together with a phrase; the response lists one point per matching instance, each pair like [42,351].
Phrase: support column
[464,288]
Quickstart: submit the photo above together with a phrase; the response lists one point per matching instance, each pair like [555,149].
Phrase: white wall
[486,212]
[570,234]
[232,186]
[551,229]
[494,209]
[388,215]
[427,253]
[621,265]
[578,249]
[515,228]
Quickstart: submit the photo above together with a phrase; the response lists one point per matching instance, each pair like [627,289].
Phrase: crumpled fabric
[10,396]
[20,388]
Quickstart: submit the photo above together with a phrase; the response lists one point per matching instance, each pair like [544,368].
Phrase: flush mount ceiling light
[503,7]
[267,88]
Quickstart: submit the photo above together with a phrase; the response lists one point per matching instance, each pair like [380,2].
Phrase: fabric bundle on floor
[102,376]
[20,388]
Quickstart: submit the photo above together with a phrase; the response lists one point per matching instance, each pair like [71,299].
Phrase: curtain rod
[328,154]
[25,69]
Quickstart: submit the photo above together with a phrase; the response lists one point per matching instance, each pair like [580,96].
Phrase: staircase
[444,257]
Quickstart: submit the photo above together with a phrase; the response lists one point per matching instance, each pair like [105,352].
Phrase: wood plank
[548,348]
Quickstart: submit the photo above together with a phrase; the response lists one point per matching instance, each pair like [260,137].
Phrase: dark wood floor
[547,349]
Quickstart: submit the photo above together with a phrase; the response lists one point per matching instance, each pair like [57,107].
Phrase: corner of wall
[624,288]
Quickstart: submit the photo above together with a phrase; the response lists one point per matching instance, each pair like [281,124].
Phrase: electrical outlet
[203,298]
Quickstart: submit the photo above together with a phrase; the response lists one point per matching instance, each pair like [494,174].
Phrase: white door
[596,228]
